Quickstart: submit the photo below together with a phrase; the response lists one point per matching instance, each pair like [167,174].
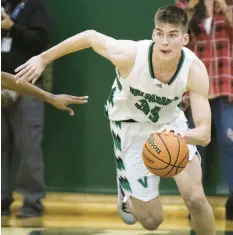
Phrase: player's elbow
[205,134]
[206,138]
[205,142]
[90,32]
[90,35]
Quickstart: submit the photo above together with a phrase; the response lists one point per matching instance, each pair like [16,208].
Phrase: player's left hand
[167,129]
[6,22]
[62,101]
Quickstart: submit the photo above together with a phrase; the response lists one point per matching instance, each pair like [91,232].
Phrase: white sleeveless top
[143,98]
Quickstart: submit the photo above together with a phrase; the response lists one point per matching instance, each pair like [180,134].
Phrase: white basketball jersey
[143,98]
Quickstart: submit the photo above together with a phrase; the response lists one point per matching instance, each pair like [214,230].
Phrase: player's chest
[152,88]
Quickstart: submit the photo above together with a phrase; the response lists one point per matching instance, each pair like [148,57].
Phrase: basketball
[165,155]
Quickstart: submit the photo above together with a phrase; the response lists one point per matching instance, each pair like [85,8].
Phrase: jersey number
[145,108]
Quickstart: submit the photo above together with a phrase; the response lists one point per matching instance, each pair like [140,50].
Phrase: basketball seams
[180,167]
[184,157]
[159,160]
[157,157]
[175,163]
[187,155]
[165,147]
[155,168]
[176,157]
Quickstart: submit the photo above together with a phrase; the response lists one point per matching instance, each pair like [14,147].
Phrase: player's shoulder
[188,54]
[143,43]
[198,77]
[197,66]
[130,48]
[133,47]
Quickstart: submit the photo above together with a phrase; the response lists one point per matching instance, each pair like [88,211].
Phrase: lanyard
[16,11]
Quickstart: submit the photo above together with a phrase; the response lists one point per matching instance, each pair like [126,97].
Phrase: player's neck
[161,65]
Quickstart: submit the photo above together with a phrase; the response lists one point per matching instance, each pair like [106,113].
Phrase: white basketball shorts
[132,175]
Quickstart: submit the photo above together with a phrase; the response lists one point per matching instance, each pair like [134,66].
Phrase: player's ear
[185,39]
[153,34]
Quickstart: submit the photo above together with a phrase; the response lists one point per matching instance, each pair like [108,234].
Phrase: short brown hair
[172,15]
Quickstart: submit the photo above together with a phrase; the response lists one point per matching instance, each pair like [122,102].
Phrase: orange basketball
[165,155]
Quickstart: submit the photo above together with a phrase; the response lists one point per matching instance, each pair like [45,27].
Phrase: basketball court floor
[88,225]
[77,214]
[18,231]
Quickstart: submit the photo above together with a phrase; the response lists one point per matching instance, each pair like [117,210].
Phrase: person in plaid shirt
[211,38]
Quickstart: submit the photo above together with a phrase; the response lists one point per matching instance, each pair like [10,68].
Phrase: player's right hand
[62,101]
[167,129]
[31,70]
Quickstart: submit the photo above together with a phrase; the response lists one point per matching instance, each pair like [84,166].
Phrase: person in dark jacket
[25,27]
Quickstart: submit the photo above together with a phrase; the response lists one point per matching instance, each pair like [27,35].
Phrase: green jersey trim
[151,65]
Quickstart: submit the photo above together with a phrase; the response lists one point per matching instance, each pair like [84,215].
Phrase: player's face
[169,40]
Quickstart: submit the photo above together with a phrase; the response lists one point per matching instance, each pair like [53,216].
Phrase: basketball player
[152,76]
[58,101]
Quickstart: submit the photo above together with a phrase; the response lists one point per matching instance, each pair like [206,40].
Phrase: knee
[151,223]
[195,201]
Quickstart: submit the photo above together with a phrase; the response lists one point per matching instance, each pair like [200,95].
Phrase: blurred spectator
[24,34]
[211,38]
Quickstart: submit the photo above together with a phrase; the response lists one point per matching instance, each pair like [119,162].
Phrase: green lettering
[144,182]
[144,106]
[154,117]
[141,93]
[164,101]
[136,92]
[158,100]
[153,99]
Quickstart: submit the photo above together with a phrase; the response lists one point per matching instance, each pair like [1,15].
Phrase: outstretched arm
[122,53]
[59,101]
[198,85]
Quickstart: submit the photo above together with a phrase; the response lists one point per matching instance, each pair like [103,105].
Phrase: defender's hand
[31,70]
[62,101]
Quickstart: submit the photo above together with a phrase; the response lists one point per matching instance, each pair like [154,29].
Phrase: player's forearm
[76,43]
[200,135]
[9,82]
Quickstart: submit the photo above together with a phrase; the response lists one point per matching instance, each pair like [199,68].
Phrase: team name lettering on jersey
[152,98]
